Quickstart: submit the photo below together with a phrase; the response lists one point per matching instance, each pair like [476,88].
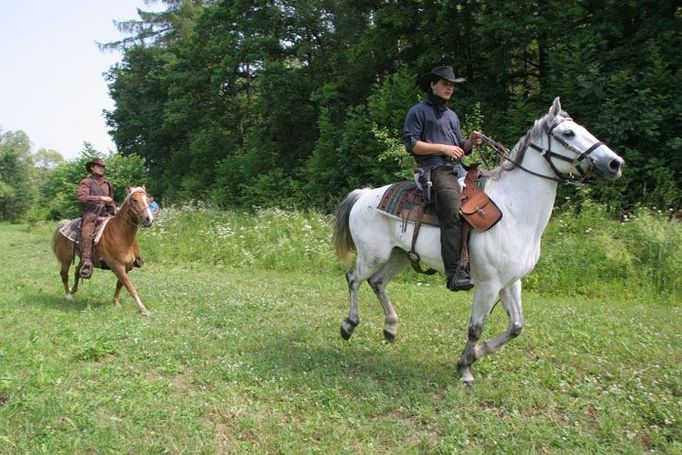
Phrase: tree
[234,99]
[16,180]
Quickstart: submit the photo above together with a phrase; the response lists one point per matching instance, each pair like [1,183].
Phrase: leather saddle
[405,201]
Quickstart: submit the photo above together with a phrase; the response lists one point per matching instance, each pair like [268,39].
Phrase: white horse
[523,186]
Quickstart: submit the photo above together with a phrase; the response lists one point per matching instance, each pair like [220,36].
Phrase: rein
[548,155]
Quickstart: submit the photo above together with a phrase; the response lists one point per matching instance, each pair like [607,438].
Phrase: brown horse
[116,249]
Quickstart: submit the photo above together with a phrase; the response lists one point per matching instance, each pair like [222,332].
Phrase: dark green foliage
[305,100]
[294,103]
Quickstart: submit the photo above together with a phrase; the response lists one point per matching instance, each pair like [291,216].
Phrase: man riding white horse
[433,136]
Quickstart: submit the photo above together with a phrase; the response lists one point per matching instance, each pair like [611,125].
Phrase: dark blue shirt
[427,123]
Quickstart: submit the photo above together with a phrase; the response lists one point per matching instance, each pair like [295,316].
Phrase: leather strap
[464,257]
[412,255]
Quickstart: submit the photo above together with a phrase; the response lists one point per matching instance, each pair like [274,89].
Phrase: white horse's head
[571,149]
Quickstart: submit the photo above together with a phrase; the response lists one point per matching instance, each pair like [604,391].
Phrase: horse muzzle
[610,170]
[607,165]
[146,221]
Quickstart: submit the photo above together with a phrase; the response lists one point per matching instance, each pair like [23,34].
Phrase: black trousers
[446,195]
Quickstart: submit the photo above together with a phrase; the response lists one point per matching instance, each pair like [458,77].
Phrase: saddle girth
[412,255]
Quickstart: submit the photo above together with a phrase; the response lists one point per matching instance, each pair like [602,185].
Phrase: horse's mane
[132,190]
[517,153]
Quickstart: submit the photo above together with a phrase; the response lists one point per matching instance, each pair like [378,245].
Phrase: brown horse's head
[136,204]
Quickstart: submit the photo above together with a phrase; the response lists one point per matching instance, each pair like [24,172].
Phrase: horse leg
[363,269]
[120,272]
[484,301]
[511,299]
[77,277]
[64,273]
[378,282]
[117,294]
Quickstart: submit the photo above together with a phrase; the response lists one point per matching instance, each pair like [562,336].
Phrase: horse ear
[556,107]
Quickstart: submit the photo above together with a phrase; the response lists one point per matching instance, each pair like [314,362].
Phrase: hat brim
[425,81]
[90,164]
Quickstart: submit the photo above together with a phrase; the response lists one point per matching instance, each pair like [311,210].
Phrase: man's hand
[475,138]
[105,199]
[453,151]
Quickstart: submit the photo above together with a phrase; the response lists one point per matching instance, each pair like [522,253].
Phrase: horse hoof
[146,313]
[68,297]
[388,336]
[345,334]
[467,378]
[347,327]
[468,383]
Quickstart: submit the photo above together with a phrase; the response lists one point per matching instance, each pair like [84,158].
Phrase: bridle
[137,219]
[549,155]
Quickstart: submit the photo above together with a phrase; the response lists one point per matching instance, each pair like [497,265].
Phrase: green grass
[247,358]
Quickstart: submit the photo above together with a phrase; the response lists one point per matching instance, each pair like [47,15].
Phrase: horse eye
[568,133]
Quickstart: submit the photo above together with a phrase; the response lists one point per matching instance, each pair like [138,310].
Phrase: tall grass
[588,252]
[270,239]
[584,250]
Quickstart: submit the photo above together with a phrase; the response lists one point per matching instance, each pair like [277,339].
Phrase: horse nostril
[616,165]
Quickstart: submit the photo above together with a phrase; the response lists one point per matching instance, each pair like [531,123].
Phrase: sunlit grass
[246,358]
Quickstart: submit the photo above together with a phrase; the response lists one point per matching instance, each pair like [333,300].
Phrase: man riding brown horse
[96,195]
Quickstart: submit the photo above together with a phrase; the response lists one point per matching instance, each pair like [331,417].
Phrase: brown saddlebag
[480,211]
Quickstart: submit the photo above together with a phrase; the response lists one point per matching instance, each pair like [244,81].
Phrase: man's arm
[426,148]
[84,196]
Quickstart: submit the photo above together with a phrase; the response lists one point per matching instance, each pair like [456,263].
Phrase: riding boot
[457,277]
[460,280]
[87,237]
[448,200]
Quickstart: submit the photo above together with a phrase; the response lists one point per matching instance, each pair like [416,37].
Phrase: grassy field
[244,359]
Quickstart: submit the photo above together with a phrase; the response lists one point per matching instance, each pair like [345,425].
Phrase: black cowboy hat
[91,163]
[437,73]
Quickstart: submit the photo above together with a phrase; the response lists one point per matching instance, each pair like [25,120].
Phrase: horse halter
[548,155]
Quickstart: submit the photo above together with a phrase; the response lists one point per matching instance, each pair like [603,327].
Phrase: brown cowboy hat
[437,73]
[91,163]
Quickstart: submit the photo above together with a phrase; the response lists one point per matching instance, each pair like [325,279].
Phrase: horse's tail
[343,241]
[60,244]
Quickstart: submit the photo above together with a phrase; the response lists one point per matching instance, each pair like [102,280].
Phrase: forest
[292,103]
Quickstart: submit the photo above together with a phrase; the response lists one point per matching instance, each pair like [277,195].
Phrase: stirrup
[86,270]
[460,281]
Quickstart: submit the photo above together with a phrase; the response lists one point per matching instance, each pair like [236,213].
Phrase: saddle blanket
[404,200]
[72,229]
